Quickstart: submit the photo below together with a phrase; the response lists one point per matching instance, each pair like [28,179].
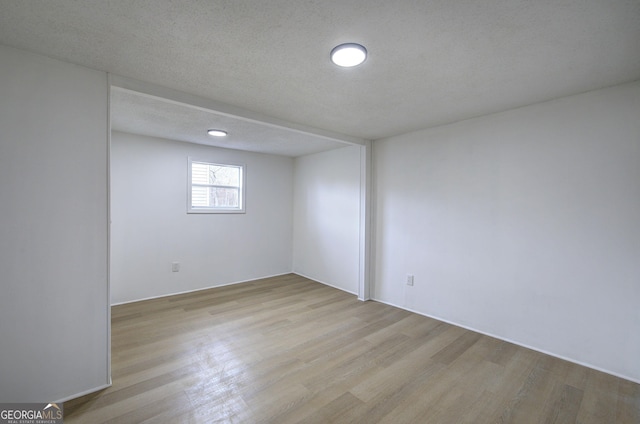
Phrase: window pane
[199,173]
[199,197]
[223,197]
[224,175]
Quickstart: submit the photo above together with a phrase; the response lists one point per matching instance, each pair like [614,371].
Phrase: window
[215,188]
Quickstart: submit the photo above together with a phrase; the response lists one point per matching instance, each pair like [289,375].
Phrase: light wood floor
[289,350]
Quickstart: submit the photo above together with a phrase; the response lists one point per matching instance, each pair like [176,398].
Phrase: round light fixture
[348,55]
[217,133]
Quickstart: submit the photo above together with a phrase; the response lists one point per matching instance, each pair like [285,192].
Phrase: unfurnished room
[320,212]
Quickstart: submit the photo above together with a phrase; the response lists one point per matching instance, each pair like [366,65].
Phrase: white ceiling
[431,62]
[138,113]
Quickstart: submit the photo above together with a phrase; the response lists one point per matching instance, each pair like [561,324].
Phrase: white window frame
[241,188]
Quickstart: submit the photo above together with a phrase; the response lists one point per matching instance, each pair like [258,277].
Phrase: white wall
[326,225]
[151,229]
[523,224]
[53,229]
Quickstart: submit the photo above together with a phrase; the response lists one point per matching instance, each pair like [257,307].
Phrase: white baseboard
[199,289]
[322,282]
[86,392]
[584,364]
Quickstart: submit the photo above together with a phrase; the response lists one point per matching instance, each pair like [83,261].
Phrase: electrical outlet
[409,280]
[175,267]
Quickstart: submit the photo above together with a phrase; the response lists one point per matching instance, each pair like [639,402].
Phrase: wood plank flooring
[290,350]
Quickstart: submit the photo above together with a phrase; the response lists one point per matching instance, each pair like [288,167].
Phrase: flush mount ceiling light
[217,133]
[348,55]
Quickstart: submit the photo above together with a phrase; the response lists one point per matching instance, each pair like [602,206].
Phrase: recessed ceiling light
[348,55]
[217,133]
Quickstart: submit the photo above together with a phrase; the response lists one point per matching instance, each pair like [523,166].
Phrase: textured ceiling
[142,114]
[431,62]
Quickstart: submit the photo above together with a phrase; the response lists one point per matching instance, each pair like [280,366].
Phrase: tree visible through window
[215,187]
